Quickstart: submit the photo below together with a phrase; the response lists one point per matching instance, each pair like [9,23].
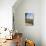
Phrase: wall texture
[29,32]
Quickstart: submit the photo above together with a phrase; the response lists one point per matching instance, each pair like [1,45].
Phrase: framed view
[29,19]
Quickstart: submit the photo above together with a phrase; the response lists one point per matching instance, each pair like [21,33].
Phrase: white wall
[43,22]
[6,13]
[31,32]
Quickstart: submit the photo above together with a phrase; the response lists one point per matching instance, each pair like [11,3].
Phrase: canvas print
[29,19]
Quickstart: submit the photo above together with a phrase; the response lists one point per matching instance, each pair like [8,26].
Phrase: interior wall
[29,32]
[43,22]
[6,13]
